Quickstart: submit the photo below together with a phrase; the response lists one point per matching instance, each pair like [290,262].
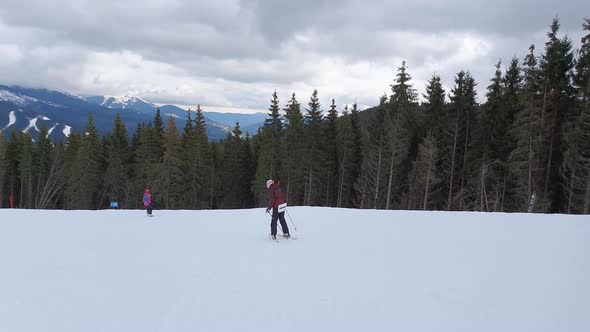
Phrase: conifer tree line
[525,149]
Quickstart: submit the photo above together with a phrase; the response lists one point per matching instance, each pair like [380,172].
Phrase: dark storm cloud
[235,53]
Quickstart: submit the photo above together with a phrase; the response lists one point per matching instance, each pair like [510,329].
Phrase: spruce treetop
[274,117]
[314,113]
[403,92]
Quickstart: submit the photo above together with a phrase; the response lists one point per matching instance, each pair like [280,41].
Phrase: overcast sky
[235,53]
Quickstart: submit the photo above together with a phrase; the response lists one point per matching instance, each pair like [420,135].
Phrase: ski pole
[292,223]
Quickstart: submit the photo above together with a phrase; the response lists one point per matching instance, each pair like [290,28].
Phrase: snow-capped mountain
[124,102]
[28,110]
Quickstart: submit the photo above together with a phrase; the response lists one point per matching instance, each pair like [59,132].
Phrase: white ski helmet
[268,183]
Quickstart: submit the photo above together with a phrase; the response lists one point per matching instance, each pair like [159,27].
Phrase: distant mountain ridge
[27,109]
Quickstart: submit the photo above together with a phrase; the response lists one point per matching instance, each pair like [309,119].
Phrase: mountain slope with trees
[525,149]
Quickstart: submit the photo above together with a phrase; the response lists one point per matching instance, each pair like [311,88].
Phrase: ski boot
[274,237]
[286,235]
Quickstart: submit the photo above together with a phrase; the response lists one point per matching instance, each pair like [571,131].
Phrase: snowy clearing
[350,270]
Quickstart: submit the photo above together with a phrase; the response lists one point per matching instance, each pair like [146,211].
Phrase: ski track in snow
[51,129]
[11,120]
[172,115]
[350,270]
[32,124]
[67,130]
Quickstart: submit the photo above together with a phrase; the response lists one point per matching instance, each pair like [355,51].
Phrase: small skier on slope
[147,201]
[276,202]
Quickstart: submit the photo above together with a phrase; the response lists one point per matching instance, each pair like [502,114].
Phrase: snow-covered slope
[17,99]
[350,270]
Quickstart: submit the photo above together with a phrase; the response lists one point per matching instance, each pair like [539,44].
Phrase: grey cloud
[236,52]
[218,29]
[482,16]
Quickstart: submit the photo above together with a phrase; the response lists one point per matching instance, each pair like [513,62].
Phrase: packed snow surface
[350,270]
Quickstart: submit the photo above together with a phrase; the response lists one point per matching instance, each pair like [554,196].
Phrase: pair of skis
[284,237]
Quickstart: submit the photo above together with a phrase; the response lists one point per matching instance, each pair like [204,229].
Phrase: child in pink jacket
[147,201]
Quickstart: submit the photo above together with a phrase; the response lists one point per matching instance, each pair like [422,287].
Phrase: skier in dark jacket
[276,203]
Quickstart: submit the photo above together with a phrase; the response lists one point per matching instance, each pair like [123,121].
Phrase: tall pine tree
[197,162]
[403,102]
[43,161]
[423,176]
[557,111]
[459,127]
[292,168]
[524,159]
[168,185]
[85,179]
[26,170]
[349,157]
[371,185]
[231,169]
[314,159]
[118,158]
[332,156]
[269,153]
[436,127]
[576,166]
